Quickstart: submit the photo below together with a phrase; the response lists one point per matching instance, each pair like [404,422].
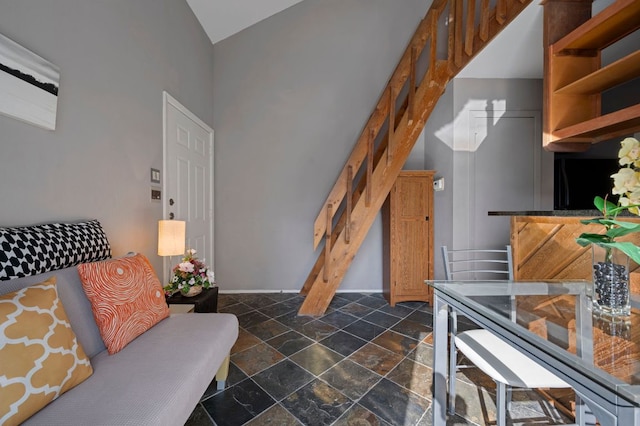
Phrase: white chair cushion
[503,363]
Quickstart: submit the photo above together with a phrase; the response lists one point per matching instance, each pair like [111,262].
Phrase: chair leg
[501,408]
[453,355]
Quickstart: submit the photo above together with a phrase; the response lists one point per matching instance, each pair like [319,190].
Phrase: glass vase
[610,291]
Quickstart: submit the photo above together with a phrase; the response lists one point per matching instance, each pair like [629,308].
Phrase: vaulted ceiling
[223,18]
[515,53]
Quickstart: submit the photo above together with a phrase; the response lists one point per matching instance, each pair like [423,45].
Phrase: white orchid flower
[626,180]
[629,152]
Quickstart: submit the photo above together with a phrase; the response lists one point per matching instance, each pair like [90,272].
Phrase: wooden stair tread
[610,25]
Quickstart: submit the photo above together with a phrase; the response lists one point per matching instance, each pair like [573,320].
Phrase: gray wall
[498,95]
[448,126]
[115,58]
[292,94]
[438,140]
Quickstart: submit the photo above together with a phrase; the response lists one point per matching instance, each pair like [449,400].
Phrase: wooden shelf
[575,78]
[619,123]
[605,78]
[613,23]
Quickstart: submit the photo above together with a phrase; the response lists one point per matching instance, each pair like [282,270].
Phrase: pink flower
[186,267]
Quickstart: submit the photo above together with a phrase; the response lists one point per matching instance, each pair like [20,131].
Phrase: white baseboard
[367,291]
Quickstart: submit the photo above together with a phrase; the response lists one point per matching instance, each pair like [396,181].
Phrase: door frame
[168,100]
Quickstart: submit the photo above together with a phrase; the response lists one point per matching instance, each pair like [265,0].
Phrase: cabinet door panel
[410,237]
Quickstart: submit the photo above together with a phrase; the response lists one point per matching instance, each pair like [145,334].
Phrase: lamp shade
[171,237]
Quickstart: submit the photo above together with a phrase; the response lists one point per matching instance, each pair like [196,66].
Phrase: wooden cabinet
[408,238]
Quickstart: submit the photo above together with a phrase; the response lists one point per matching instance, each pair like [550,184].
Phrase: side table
[205,302]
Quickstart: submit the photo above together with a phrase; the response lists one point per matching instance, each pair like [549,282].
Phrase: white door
[505,173]
[188,177]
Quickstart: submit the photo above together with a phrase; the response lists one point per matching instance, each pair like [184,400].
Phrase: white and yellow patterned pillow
[40,357]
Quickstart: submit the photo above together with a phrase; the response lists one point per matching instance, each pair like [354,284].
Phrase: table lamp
[171,239]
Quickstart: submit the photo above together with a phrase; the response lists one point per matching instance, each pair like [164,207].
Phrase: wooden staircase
[448,37]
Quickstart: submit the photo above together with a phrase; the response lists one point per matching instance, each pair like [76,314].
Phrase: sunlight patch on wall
[467,118]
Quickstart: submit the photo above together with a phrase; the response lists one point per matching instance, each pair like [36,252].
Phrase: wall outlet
[438,184]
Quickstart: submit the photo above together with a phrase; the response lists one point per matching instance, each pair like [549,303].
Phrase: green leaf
[586,239]
[607,208]
[599,203]
[624,228]
[627,248]
[597,220]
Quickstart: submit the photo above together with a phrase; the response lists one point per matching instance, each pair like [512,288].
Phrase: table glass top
[559,316]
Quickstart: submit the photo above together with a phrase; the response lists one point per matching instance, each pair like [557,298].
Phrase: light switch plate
[155,176]
[438,184]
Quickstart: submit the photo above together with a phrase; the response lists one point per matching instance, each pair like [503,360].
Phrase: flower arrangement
[626,184]
[189,273]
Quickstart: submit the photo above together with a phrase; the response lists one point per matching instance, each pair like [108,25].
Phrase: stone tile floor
[362,363]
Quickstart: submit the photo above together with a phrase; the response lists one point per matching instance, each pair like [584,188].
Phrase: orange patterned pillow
[40,357]
[126,298]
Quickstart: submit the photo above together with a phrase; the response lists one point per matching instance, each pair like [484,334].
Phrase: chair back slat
[474,264]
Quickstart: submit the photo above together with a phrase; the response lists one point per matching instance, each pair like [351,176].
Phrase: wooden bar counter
[544,244]
[544,247]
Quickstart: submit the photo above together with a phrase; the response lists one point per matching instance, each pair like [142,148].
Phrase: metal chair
[505,365]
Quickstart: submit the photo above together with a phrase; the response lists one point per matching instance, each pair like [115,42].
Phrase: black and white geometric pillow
[32,250]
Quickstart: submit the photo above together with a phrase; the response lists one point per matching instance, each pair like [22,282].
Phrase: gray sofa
[157,379]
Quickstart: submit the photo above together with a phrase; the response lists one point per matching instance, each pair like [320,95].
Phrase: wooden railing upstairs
[448,37]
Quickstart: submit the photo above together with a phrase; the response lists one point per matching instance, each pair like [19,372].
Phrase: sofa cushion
[75,303]
[149,382]
[126,298]
[36,249]
[40,357]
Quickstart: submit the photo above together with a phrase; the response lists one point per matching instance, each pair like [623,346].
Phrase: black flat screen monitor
[577,181]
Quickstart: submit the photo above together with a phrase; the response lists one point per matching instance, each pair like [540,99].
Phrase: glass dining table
[553,323]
